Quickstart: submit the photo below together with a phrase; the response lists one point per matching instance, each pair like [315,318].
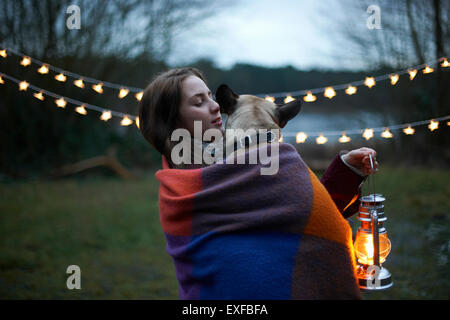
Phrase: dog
[247,117]
[247,112]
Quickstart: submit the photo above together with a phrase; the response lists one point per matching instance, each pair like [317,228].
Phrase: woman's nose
[214,106]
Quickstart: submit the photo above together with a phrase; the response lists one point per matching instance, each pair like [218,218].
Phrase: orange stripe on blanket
[176,199]
[325,220]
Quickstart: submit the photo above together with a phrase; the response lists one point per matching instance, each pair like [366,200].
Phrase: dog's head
[248,111]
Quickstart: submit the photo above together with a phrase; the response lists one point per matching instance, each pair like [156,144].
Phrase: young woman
[235,235]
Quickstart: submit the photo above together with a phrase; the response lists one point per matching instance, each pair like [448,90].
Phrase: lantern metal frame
[371,214]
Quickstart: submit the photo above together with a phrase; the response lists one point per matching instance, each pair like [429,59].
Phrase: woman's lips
[217,122]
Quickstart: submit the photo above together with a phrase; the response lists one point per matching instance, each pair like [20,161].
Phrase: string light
[321,139]
[123,93]
[433,125]
[329,92]
[301,137]
[2,81]
[350,90]
[344,138]
[79,83]
[412,74]
[61,103]
[387,134]
[288,99]
[269,98]
[81,110]
[106,115]
[39,95]
[309,97]
[126,121]
[23,86]
[43,69]
[394,78]
[137,122]
[26,61]
[369,82]
[409,130]
[368,133]
[427,70]
[61,77]
[139,95]
[98,87]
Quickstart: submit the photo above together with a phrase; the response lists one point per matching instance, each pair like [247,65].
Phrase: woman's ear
[226,99]
[288,111]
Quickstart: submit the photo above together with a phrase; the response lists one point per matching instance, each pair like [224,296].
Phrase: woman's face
[197,104]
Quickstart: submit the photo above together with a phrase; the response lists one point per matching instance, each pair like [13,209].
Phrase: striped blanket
[236,234]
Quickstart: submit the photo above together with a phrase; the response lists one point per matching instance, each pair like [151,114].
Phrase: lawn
[110,229]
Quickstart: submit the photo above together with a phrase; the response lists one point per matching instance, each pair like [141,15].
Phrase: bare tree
[123,28]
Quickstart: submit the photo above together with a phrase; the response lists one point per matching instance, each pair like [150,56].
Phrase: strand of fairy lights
[61,102]
[308,94]
[301,137]
[97,85]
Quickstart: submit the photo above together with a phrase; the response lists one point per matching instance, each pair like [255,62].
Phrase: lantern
[372,245]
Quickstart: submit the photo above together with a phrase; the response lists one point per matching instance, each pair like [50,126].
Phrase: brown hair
[159,108]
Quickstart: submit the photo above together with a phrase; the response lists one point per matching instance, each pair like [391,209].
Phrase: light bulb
[364,247]
[288,99]
[350,90]
[309,97]
[139,95]
[321,139]
[271,99]
[301,137]
[329,92]
[394,78]
[370,82]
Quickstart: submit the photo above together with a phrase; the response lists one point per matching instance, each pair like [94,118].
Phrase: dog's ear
[226,99]
[288,111]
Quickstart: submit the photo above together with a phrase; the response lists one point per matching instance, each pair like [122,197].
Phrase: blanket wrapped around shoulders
[236,234]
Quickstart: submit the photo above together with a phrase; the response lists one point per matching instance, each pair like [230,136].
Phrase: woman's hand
[359,159]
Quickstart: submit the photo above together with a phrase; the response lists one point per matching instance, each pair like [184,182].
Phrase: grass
[110,228]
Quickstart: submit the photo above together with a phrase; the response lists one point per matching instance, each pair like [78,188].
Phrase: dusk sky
[268,33]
